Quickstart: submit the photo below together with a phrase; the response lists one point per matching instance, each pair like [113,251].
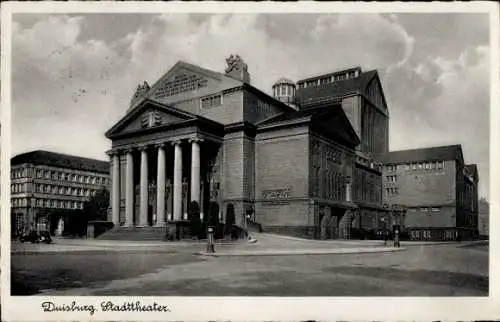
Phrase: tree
[96,208]
[213,214]
[230,219]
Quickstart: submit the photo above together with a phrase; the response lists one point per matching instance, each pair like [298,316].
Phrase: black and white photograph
[270,154]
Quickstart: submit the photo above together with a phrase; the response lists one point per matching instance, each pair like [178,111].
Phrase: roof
[284,81]
[60,160]
[289,116]
[337,72]
[439,153]
[327,119]
[336,89]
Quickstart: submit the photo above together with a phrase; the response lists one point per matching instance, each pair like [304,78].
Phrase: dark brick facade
[307,169]
[437,189]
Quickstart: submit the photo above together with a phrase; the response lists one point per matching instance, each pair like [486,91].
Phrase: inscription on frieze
[180,84]
[276,194]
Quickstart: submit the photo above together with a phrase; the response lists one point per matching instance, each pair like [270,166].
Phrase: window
[46,174]
[439,164]
[216,100]
[420,166]
[424,209]
[407,167]
[427,166]
[38,173]
[435,209]
[414,166]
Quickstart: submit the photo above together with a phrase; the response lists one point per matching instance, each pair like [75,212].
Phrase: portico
[156,170]
[153,185]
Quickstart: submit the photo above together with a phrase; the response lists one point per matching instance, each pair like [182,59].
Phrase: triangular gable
[374,92]
[148,114]
[184,81]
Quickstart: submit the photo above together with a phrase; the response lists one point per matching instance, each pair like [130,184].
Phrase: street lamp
[384,232]
[210,241]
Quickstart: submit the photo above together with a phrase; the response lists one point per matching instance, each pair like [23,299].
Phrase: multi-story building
[43,183]
[484,218]
[438,191]
[361,97]
[305,159]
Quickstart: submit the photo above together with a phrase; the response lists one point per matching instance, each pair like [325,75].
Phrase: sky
[73,75]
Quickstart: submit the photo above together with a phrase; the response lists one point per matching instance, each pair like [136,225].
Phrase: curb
[93,252]
[338,251]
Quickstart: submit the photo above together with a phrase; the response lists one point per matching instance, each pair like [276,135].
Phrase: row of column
[161,176]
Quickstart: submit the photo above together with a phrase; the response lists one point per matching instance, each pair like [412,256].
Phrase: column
[195,170]
[160,188]
[129,191]
[177,180]
[115,194]
[348,189]
[143,207]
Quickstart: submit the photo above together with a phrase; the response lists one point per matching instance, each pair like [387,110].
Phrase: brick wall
[282,163]
[233,165]
[257,109]
[352,108]
[415,218]
[421,187]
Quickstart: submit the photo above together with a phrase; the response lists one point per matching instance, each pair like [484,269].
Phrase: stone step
[135,233]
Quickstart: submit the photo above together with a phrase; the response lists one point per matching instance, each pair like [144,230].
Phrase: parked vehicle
[35,238]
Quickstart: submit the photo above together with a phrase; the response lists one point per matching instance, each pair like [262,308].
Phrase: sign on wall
[276,194]
[180,84]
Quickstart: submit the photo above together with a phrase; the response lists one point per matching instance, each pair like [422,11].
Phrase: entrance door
[151,220]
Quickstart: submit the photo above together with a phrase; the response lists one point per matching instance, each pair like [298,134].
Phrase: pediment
[148,115]
[185,81]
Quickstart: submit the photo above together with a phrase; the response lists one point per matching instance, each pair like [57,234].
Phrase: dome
[284,81]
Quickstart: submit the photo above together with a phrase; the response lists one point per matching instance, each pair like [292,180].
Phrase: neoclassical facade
[200,135]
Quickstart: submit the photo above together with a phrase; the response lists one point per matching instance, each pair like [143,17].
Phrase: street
[430,270]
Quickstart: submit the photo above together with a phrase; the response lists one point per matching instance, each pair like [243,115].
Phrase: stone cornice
[248,128]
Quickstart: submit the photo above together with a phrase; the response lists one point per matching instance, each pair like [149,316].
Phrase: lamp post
[384,232]
[210,241]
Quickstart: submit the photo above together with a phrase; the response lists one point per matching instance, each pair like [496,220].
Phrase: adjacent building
[43,183]
[484,218]
[305,160]
[438,191]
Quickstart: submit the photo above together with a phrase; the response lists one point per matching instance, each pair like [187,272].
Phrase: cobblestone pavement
[439,270]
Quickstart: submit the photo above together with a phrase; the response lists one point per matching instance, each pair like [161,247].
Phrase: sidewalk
[282,252]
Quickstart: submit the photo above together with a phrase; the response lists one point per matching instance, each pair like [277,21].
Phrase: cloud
[74,75]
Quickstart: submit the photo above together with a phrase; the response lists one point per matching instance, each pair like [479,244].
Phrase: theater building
[44,182]
[437,189]
[304,159]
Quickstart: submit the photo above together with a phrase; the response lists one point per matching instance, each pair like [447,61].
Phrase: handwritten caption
[105,306]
